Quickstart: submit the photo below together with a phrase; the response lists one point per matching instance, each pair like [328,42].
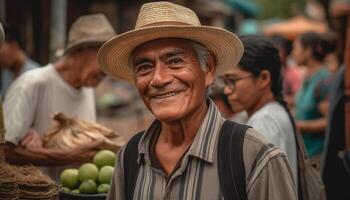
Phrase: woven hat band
[168,23]
[151,13]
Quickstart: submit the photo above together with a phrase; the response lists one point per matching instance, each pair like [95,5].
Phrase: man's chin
[166,116]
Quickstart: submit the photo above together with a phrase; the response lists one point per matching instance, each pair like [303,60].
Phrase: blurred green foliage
[280,8]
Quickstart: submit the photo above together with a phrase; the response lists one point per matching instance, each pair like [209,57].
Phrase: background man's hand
[31,150]
[85,152]
[32,140]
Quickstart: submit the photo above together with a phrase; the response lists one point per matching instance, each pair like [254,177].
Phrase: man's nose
[161,76]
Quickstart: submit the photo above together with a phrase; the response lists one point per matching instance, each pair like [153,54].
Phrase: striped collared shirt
[268,175]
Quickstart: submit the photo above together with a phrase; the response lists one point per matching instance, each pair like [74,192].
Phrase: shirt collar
[204,143]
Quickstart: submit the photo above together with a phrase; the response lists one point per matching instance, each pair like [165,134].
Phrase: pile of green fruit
[90,178]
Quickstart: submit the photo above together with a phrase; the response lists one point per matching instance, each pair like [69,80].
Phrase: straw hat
[89,30]
[167,20]
[2,35]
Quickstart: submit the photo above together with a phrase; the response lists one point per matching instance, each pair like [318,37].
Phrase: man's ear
[210,68]
[73,59]
[264,79]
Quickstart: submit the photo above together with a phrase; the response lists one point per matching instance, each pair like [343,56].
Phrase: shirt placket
[168,186]
[177,174]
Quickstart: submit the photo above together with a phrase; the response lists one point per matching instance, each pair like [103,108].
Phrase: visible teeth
[166,95]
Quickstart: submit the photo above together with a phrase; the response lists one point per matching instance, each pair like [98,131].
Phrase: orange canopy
[295,26]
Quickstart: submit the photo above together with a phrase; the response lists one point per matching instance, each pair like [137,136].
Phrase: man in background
[64,86]
[13,58]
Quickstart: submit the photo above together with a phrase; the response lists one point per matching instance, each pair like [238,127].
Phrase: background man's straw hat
[89,30]
[167,20]
[2,35]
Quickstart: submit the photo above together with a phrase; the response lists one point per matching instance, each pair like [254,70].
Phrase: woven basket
[2,134]
[23,182]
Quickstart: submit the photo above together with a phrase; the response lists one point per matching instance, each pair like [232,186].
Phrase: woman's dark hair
[320,45]
[281,42]
[330,40]
[260,54]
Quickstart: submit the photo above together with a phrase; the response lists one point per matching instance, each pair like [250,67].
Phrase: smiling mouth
[171,94]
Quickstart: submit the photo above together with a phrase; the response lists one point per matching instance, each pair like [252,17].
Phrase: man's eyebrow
[140,60]
[173,52]
[166,54]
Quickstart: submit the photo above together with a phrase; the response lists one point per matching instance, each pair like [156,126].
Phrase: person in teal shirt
[311,103]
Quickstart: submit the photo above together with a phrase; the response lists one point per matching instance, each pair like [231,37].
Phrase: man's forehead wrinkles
[142,55]
[171,52]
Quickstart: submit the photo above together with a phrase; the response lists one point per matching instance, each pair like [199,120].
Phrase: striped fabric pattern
[197,172]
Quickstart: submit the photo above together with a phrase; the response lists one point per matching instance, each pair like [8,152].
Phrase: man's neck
[182,132]
[68,73]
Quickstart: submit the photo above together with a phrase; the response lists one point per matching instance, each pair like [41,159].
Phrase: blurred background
[44,25]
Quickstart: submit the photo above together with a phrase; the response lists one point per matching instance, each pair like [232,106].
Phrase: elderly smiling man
[189,151]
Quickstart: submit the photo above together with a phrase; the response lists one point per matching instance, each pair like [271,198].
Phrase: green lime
[105,174]
[104,158]
[88,187]
[65,189]
[88,171]
[103,188]
[69,178]
[75,191]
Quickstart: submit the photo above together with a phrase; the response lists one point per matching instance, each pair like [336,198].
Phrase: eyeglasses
[230,82]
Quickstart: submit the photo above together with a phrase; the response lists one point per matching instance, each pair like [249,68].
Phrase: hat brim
[114,55]
[85,42]
[78,46]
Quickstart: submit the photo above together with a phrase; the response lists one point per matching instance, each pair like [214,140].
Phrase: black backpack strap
[131,168]
[230,161]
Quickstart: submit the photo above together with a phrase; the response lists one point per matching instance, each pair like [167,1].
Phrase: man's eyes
[175,60]
[146,67]
[143,68]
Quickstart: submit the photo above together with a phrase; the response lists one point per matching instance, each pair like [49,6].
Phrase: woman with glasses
[255,85]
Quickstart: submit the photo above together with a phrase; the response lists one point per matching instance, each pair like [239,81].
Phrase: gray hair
[202,54]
